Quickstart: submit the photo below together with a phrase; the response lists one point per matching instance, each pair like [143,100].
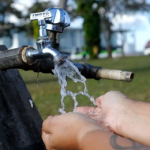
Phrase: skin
[123,116]
[75,131]
[115,113]
[65,131]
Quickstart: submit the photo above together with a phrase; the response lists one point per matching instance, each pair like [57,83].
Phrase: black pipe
[87,70]
[11,58]
[14,59]
[53,40]
[47,65]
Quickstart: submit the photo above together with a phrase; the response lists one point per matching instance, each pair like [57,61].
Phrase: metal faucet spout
[50,51]
[47,52]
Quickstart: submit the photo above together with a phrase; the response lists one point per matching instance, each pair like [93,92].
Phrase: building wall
[70,41]
[17,40]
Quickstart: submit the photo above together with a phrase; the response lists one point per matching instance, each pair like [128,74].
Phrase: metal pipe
[17,58]
[115,75]
[47,52]
[53,39]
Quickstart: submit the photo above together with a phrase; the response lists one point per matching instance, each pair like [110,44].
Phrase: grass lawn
[47,96]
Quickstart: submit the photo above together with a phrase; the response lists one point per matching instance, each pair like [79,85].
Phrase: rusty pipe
[115,75]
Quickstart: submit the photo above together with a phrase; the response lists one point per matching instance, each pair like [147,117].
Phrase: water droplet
[38,80]
[61,111]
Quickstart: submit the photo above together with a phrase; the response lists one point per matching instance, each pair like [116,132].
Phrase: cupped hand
[65,131]
[110,111]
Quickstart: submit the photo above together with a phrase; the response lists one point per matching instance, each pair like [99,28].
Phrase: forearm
[135,123]
[96,140]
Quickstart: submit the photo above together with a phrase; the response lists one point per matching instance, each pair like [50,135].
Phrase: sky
[138,24]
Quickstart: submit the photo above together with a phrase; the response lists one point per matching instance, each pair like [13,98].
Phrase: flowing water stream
[68,69]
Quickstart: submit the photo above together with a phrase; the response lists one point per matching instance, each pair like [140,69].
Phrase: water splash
[68,69]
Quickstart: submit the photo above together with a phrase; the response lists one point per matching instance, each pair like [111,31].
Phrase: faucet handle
[41,16]
[59,20]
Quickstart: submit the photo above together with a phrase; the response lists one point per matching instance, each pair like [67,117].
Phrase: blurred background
[114,34]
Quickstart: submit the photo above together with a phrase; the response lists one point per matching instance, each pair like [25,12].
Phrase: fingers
[92,112]
[99,101]
[85,110]
[49,117]
[46,126]
[47,139]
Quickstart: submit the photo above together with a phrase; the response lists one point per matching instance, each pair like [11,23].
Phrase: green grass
[47,96]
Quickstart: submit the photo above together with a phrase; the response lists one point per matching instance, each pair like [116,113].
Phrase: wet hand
[66,131]
[110,110]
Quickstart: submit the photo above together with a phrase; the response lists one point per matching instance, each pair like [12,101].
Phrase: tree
[91,25]
[110,9]
[31,28]
[7,9]
[62,4]
[107,10]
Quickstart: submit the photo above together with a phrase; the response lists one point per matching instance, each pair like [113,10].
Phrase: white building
[70,40]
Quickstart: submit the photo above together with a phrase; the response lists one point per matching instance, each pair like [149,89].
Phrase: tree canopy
[107,10]
[7,9]
[91,26]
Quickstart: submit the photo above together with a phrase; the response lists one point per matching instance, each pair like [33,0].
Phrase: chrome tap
[25,57]
[53,19]
[59,20]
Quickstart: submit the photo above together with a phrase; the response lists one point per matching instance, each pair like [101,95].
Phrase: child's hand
[66,131]
[110,110]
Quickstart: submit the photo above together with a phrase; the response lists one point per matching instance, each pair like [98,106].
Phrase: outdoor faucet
[44,58]
[54,20]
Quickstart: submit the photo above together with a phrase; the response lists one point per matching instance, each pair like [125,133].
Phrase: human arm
[101,140]
[123,116]
[135,124]
[74,131]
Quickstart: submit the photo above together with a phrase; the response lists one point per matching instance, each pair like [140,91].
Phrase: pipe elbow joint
[30,55]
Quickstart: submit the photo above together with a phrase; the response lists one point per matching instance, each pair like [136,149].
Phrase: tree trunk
[123,43]
[109,50]
[108,44]
[106,28]
[62,4]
